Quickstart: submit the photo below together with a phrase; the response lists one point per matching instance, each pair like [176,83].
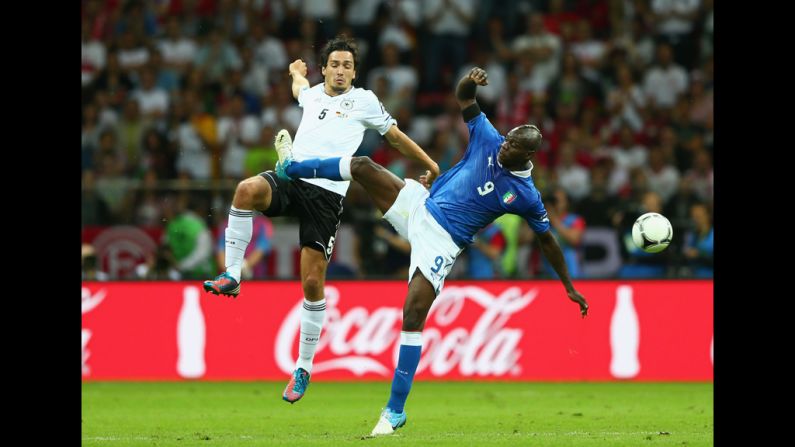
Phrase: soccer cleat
[284,149]
[297,385]
[389,422]
[223,284]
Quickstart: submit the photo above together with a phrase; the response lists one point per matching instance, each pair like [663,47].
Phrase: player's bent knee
[313,286]
[252,191]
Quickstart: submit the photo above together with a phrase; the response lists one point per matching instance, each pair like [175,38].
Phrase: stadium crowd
[181,99]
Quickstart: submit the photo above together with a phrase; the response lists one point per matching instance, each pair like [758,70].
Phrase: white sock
[345,168]
[312,315]
[236,237]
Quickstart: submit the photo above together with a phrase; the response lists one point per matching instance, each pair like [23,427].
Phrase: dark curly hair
[340,43]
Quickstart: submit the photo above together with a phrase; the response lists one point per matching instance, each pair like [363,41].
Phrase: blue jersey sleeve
[482,133]
[536,216]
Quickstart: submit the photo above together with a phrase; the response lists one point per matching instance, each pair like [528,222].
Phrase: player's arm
[410,149]
[551,250]
[466,89]
[298,73]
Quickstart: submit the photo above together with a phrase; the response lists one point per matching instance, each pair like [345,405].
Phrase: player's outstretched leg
[415,310]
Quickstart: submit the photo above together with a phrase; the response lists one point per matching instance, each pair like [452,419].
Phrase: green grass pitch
[439,414]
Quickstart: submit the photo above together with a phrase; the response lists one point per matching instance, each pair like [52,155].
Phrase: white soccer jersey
[333,126]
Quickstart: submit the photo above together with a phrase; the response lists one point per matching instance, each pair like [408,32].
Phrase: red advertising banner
[502,330]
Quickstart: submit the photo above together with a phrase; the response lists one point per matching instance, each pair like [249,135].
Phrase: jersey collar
[524,174]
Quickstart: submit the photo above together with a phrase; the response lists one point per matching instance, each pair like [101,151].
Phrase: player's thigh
[273,198]
[382,185]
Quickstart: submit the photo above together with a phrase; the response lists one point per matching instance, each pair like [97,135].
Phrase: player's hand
[427,179]
[299,67]
[479,75]
[579,299]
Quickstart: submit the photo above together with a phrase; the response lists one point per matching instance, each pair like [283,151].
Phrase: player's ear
[323,71]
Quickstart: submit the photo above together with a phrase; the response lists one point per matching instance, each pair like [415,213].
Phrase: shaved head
[526,136]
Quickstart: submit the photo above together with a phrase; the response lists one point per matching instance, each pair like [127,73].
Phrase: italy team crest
[508,197]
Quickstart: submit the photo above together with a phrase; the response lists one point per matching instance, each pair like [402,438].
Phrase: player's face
[512,153]
[339,71]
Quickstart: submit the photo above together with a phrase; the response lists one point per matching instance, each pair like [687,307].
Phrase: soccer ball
[652,232]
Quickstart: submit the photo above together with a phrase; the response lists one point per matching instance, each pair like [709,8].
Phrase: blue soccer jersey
[478,189]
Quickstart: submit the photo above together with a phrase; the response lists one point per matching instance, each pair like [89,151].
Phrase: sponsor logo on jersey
[508,197]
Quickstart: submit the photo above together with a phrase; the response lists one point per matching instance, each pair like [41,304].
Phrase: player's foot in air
[223,284]
[297,386]
[389,422]
[284,149]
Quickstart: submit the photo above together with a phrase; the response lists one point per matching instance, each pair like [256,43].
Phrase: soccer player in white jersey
[335,117]
[493,178]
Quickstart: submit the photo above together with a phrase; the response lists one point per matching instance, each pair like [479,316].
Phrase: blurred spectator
[700,176]
[166,78]
[513,108]
[133,52]
[159,156]
[626,101]
[190,241]
[261,157]
[93,209]
[447,23]
[573,178]
[92,54]
[392,251]
[148,204]
[511,227]
[599,206]
[701,101]
[485,252]
[194,136]
[663,176]
[131,132]
[254,262]
[236,132]
[558,14]
[113,187]
[628,153]
[699,242]
[402,79]
[589,51]
[152,100]
[216,55]
[324,13]
[543,49]
[114,81]
[675,22]
[568,228]
[269,51]
[255,79]
[678,209]
[178,50]
[280,111]
[90,135]
[665,81]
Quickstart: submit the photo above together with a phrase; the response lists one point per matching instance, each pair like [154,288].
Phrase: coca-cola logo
[358,338]
[89,302]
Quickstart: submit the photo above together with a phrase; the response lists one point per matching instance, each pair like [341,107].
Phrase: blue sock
[315,168]
[409,358]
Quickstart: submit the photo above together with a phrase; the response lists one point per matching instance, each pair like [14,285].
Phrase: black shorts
[318,210]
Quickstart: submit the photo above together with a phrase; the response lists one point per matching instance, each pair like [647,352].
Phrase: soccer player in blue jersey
[492,179]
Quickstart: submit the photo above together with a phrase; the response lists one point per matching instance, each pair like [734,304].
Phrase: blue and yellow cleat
[284,149]
[297,386]
[223,284]
[389,422]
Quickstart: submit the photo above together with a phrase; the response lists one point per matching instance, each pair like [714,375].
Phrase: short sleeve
[302,96]
[375,115]
[536,216]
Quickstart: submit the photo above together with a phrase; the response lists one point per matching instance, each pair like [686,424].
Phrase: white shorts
[432,248]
